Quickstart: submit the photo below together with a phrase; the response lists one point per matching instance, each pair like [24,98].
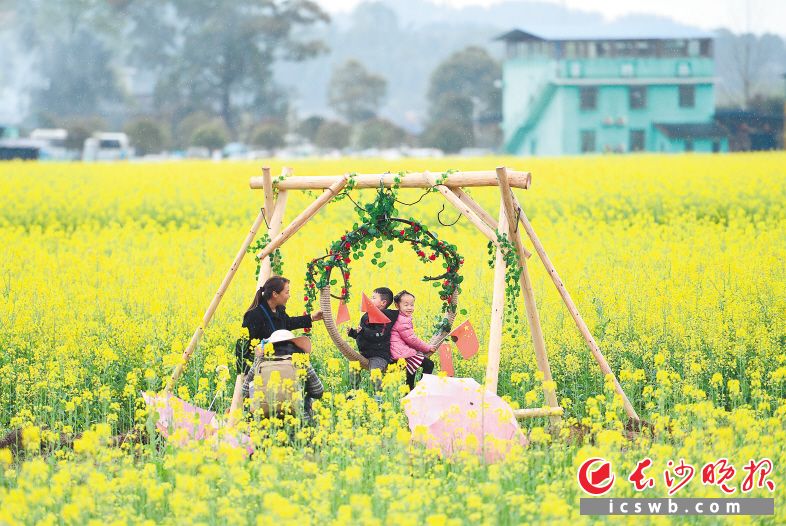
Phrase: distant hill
[405,40]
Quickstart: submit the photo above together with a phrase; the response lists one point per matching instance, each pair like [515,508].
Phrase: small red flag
[374,314]
[343,313]
[466,340]
[446,359]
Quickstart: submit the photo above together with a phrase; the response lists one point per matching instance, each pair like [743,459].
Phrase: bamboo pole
[574,312]
[497,313]
[276,221]
[267,184]
[537,412]
[462,207]
[216,300]
[535,329]
[411,180]
[237,401]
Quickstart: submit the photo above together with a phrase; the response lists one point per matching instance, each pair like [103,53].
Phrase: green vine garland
[276,259]
[512,277]
[378,223]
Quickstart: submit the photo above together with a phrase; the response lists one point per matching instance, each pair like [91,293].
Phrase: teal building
[570,96]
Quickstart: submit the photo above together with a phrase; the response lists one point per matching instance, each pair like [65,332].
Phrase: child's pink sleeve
[407,334]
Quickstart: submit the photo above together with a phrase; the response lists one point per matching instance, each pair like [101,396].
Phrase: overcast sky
[759,16]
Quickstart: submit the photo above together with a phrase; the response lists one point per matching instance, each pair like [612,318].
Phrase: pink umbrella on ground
[175,414]
[458,414]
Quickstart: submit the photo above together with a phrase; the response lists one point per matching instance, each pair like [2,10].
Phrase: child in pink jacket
[405,344]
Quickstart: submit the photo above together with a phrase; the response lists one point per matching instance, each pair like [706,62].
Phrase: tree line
[207,69]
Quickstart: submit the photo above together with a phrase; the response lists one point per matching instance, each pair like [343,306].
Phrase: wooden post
[535,329]
[538,412]
[276,221]
[237,401]
[574,312]
[497,314]
[216,300]
[267,184]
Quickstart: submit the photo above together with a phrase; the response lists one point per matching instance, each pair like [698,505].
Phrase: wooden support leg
[497,314]
[216,300]
[275,222]
[574,312]
[538,342]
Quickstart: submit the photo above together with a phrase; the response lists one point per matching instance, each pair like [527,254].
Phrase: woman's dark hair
[397,297]
[274,284]
[386,294]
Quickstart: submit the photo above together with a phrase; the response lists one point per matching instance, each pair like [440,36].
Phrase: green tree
[219,53]
[309,127]
[269,135]
[355,93]
[73,41]
[451,127]
[380,133]
[212,135]
[471,73]
[146,135]
[333,134]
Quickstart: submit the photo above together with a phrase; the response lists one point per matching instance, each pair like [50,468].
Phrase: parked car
[107,146]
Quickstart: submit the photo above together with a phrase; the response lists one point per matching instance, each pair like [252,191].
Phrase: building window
[688,145]
[587,141]
[637,140]
[588,98]
[626,70]
[638,97]
[715,146]
[687,96]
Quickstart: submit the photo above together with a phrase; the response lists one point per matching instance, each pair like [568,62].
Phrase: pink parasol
[175,414]
[458,414]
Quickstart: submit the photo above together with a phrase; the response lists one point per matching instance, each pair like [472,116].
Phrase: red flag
[343,313]
[446,359]
[374,314]
[466,340]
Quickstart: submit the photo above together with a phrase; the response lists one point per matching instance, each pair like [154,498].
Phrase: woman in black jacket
[267,314]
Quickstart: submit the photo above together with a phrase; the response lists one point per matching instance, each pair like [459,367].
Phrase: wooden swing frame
[511,215]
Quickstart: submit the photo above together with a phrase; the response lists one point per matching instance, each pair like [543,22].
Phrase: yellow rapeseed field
[677,264]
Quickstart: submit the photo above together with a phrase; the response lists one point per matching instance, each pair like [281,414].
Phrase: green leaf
[463,312]
[382,264]
[373,261]
[379,243]
[333,282]
[390,248]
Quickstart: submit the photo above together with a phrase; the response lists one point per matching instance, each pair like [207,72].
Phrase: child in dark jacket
[373,339]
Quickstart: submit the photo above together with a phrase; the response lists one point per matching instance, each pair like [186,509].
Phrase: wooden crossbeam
[411,180]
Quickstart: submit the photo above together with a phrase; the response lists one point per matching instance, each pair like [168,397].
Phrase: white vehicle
[106,146]
[53,143]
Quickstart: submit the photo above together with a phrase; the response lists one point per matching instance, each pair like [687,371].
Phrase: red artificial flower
[305,298]
[328,267]
[402,232]
[347,245]
[343,292]
[416,228]
[432,257]
[343,238]
[346,275]
[346,260]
